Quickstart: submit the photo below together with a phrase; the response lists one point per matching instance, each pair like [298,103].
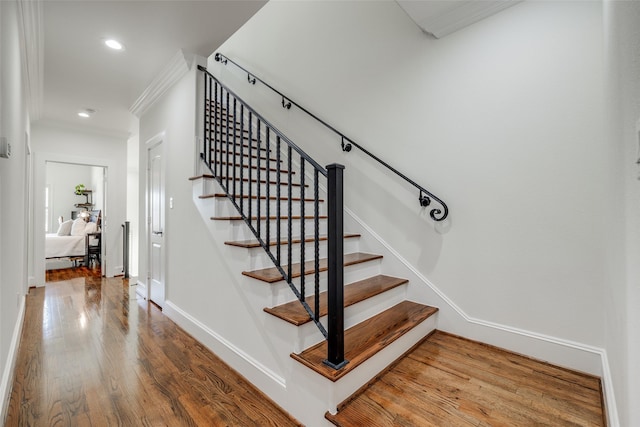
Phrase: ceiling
[80,72]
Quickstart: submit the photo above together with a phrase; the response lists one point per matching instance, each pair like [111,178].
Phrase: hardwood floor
[451,381]
[93,353]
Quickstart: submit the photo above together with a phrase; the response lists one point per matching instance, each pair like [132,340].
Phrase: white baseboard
[227,351]
[9,367]
[562,352]
[141,289]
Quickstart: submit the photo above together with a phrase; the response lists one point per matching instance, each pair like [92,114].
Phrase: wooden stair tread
[293,312]
[253,243]
[272,275]
[253,218]
[203,176]
[253,196]
[367,338]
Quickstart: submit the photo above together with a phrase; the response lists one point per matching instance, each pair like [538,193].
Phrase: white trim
[9,367]
[217,343]
[31,33]
[179,65]
[613,419]
[607,381]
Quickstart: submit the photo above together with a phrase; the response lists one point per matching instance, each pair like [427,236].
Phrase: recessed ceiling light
[86,113]
[114,44]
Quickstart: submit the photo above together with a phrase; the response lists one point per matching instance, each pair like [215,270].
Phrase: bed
[73,238]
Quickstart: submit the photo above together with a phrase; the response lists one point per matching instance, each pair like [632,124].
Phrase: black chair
[93,244]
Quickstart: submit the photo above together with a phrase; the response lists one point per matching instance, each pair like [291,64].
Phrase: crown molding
[31,34]
[459,14]
[177,67]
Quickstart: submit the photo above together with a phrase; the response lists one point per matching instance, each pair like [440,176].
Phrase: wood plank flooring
[451,381]
[93,353]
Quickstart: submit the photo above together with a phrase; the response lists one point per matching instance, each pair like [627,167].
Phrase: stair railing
[425,197]
[238,148]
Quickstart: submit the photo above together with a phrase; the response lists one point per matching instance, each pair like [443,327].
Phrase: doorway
[75,198]
[155,215]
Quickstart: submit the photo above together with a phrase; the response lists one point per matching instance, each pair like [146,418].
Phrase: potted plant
[80,188]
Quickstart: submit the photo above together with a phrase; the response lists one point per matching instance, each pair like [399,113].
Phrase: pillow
[65,228]
[91,227]
[77,228]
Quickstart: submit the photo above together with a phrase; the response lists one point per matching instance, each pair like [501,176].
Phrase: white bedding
[64,246]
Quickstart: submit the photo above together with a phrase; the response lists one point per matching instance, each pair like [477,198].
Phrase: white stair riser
[281,293]
[257,256]
[238,230]
[224,207]
[209,186]
[253,174]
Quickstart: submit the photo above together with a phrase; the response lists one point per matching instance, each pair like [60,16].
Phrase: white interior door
[155,196]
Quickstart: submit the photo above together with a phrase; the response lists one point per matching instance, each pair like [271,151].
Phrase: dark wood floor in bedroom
[94,353]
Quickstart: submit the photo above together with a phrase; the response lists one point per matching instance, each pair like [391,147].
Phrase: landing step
[364,340]
[253,218]
[256,244]
[246,196]
[272,275]
[294,313]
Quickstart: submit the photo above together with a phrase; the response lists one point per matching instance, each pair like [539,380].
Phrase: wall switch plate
[5,148]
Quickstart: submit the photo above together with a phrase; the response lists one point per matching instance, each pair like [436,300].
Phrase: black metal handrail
[424,198]
[238,140]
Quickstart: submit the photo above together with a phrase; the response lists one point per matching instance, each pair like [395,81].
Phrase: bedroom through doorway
[74,205]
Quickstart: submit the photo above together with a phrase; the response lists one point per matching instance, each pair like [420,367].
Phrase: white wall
[198,280]
[14,124]
[502,120]
[622,296]
[61,180]
[57,144]
[507,121]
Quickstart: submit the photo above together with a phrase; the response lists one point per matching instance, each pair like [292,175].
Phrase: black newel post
[335,292]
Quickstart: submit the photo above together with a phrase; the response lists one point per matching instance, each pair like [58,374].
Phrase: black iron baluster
[250,170]
[316,244]
[227,131]
[289,219]
[302,236]
[335,289]
[242,159]
[213,130]
[206,135]
[235,148]
[217,122]
[268,202]
[278,207]
[258,171]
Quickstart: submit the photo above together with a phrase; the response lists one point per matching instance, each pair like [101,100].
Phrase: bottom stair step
[365,339]
[293,312]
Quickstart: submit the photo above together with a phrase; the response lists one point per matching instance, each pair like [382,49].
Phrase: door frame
[37,233]
[152,143]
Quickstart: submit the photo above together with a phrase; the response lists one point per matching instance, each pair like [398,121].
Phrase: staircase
[281,218]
